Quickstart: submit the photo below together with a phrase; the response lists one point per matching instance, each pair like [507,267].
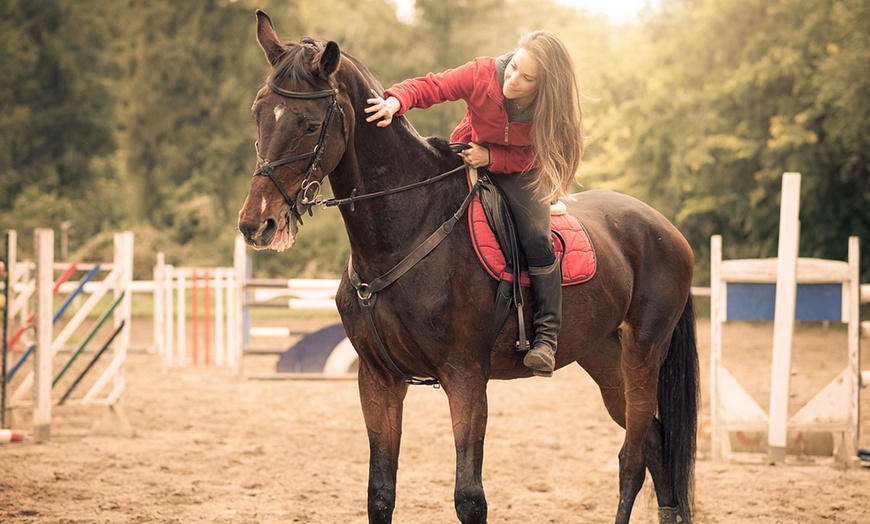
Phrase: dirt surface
[209,447]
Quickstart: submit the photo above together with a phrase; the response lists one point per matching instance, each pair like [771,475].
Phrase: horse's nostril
[247,229]
[244,229]
[269,226]
[258,230]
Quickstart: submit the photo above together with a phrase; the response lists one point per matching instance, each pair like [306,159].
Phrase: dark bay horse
[417,308]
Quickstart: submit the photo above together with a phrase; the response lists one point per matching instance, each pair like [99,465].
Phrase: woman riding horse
[523,124]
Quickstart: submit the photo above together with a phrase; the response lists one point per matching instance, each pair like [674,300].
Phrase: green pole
[88,338]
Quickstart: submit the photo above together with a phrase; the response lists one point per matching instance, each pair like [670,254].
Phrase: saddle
[493,235]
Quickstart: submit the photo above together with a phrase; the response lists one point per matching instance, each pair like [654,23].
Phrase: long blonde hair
[557,129]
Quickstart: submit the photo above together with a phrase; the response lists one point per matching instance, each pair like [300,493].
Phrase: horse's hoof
[671,516]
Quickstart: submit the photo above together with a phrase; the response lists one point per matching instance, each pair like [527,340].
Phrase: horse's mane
[437,143]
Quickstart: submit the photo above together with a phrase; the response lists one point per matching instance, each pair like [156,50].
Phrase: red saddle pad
[570,240]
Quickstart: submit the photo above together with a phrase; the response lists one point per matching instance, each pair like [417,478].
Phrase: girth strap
[367,292]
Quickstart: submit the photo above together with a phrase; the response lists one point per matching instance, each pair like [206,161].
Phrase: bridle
[309,194]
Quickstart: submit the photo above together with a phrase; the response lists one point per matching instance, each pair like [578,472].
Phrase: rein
[352,199]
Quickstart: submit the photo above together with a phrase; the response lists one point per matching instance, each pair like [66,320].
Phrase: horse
[418,307]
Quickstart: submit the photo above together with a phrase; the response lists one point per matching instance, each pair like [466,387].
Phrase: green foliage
[731,95]
[56,125]
[136,115]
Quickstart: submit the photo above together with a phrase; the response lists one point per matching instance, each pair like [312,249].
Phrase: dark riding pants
[532,217]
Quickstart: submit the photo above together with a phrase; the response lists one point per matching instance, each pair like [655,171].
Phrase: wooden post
[784,312]
[42,363]
[849,449]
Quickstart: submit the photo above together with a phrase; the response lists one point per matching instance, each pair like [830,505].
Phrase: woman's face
[521,77]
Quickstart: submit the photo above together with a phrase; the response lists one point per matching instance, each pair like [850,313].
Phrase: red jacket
[486,121]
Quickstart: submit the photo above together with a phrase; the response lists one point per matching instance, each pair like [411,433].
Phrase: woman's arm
[422,92]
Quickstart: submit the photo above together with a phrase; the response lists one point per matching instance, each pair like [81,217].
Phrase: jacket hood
[501,63]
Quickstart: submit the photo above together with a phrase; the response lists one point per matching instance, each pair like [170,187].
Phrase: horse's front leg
[466,394]
[382,397]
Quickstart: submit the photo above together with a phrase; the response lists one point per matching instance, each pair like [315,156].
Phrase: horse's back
[639,252]
[616,221]
[599,204]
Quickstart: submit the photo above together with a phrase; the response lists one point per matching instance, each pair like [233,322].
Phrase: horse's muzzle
[258,235]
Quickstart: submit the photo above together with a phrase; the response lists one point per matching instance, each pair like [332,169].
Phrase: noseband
[310,190]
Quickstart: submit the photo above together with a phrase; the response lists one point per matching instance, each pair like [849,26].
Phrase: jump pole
[40,378]
[29,322]
[784,312]
[57,316]
[93,361]
[90,335]
[114,278]
[212,314]
[195,282]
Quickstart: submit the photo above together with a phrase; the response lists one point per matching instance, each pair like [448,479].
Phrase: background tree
[723,99]
[56,115]
[183,121]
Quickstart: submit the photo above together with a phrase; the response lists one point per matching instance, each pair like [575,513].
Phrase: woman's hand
[476,155]
[381,109]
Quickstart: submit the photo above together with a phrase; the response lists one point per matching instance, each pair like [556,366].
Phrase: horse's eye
[312,127]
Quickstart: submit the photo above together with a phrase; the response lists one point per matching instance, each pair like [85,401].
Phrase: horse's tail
[678,398]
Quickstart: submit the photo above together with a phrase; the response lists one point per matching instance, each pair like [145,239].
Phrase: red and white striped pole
[10,435]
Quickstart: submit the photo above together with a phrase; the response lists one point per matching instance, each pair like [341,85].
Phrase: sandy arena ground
[209,448]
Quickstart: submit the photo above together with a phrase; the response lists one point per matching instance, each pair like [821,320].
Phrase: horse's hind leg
[603,365]
[640,367]
[466,395]
[621,381]
[382,398]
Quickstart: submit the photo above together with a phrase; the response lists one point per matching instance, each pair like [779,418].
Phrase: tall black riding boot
[547,318]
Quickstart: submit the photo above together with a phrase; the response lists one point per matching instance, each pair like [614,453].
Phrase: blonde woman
[523,123]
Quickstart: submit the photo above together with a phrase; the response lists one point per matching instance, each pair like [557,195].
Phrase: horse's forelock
[295,65]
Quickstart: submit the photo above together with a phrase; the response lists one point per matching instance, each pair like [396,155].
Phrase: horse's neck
[384,229]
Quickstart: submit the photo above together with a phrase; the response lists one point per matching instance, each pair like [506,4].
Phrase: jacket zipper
[507,127]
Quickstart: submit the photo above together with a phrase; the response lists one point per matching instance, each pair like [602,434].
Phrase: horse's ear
[268,39]
[326,62]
